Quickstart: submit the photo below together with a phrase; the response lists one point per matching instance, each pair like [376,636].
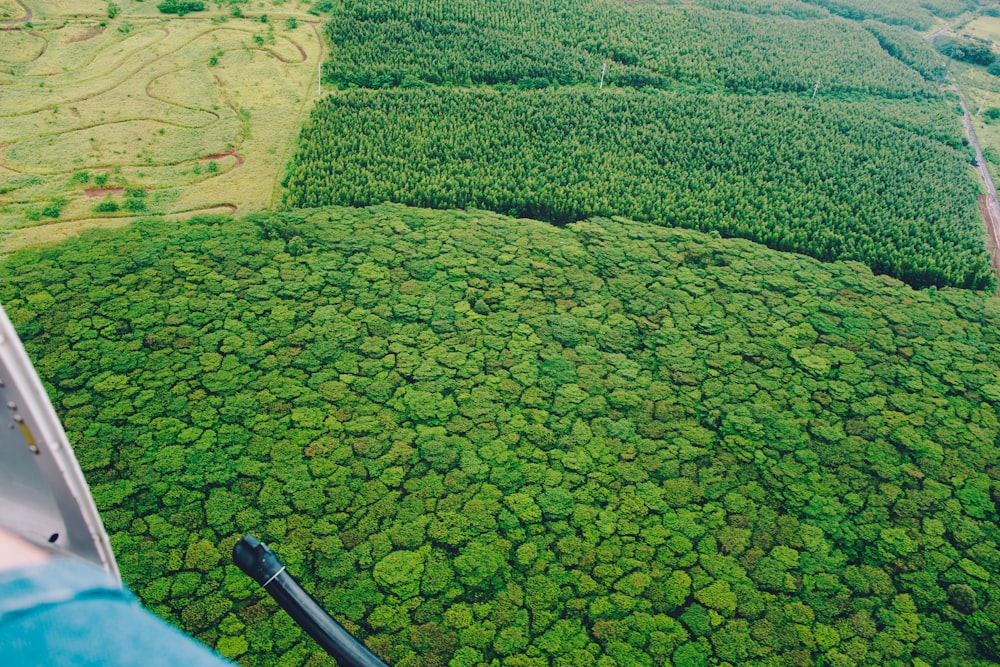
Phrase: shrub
[180,7]
[107,206]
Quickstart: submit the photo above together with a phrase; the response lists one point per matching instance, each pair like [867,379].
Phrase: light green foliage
[524,507]
[718,596]
[481,564]
[400,571]
[726,500]
[556,502]
[232,647]
[690,655]
[202,555]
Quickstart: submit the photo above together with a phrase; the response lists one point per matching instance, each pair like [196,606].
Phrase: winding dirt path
[219,156]
[24,19]
[90,93]
[231,208]
[144,59]
[280,58]
[991,206]
[14,24]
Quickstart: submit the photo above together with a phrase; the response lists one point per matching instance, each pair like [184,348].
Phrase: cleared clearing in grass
[153,115]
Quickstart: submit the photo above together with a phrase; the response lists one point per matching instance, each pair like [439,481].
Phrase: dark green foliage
[909,47]
[648,446]
[381,43]
[827,180]
[180,7]
[827,170]
[54,208]
[916,15]
[976,52]
[321,7]
[797,9]
[107,206]
[135,200]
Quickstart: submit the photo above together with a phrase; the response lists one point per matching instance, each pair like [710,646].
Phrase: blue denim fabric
[70,613]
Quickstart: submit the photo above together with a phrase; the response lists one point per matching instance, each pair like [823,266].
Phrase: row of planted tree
[828,180]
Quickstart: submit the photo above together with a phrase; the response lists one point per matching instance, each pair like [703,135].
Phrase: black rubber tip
[256,560]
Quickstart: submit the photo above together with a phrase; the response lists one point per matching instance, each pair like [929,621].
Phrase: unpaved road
[24,19]
[941,31]
[992,208]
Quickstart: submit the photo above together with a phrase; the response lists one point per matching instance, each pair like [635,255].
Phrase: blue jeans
[65,612]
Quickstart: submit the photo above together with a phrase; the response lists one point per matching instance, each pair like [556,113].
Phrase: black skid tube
[258,561]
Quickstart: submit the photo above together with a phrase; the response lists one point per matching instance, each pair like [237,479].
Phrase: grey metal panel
[43,494]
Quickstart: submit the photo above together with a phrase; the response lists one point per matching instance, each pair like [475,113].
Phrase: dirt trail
[219,156]
[941,31]
[991,207]
[24,19]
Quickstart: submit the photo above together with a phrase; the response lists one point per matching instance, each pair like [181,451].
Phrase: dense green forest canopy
[489,441]
[386,43]
[916,15]
[481,440]
[908,47]
[780,122]
[827,179]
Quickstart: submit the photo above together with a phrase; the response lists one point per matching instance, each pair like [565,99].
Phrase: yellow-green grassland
[110,110]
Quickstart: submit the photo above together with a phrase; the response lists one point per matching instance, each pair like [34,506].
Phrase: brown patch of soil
[219,156]
[89,33]
[100,192]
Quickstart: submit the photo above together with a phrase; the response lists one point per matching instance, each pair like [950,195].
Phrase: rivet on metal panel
[29,437]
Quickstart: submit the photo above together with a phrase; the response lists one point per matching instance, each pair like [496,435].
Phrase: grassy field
[105,118]
[983,27]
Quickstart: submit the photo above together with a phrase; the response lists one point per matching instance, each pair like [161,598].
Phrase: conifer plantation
[804,130]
